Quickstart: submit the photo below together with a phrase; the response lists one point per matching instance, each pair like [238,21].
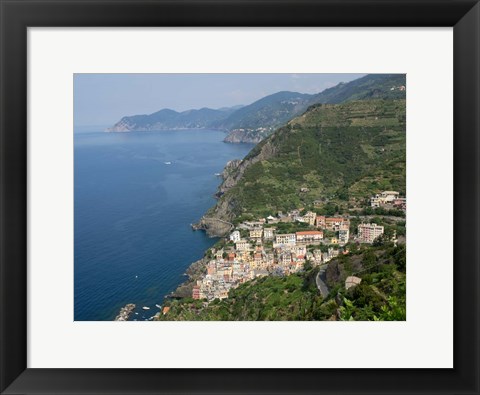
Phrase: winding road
[322,287]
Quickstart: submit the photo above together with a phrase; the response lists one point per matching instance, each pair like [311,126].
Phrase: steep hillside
[331,151]
[372,86]
[169,119]
[381,294]
[255,122]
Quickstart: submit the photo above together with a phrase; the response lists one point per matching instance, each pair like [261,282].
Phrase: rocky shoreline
[213,226]
[194,273]
[217,221]
[216,225]
[125,312]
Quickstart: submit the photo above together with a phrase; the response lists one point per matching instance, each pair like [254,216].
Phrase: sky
[103,99]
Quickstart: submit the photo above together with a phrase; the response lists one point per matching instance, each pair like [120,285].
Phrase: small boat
[145,308]
[136,313]
[168,163]
[218,174]
[158,306]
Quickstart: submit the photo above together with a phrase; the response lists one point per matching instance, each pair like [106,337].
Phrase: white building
[289,238]
[268,233]
[384,197]
[389,196]
[310,218]
[235,236]
[343,235]
[242,245]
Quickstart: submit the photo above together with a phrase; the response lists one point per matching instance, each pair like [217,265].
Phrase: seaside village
[257,248]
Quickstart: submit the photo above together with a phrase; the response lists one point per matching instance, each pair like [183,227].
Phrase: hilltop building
[385,197]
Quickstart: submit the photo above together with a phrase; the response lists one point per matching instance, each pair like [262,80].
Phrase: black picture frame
[17,15]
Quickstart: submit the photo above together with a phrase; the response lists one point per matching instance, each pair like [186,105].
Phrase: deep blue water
[133,240]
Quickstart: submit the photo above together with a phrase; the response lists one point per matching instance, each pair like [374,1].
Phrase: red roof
[309,232]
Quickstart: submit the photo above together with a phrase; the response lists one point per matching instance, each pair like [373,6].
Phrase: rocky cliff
[217,221]
[336,150]
[194,272]
[245,136]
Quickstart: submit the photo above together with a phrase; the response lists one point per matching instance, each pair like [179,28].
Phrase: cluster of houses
[255,249]
[231,267]
[389,199]
[264,252]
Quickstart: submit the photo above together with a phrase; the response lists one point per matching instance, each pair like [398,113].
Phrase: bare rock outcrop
[125,312]
[217,221]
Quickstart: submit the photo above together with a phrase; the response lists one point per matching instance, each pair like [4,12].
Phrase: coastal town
[261,248]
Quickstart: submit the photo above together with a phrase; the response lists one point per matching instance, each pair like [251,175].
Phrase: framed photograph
[204,197]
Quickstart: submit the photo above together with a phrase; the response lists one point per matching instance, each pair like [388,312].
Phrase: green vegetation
[339,152]
[372,86]
[380,296]
[270,111]
[258,119]
[329,160]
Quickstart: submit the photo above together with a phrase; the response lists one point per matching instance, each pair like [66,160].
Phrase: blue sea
[136,195]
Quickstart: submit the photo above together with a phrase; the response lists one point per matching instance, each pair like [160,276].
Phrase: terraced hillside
[380,296]
[340,152]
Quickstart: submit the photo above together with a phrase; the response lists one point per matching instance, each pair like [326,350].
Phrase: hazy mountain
[170,119]
[255,122]
[372,86]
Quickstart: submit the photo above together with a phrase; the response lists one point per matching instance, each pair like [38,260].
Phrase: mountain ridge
[340,152]
[166,118]
[255,121]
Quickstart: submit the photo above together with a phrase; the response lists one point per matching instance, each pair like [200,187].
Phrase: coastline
[194,273]
[213,227]
[196,269]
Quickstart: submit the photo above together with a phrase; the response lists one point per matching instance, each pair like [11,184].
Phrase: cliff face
[336,150]
[243,136]
[194,272]
[235,169]
[122,126]
[217,221]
